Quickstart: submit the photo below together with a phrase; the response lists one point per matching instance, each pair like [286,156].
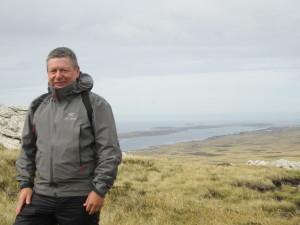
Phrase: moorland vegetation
[168,189]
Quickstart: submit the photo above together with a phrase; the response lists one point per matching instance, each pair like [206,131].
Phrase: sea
[152,142]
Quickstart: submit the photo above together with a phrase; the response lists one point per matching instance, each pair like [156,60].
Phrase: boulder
[282,163]
[11,125]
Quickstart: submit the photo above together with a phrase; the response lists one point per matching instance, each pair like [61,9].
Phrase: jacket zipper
[56,116]
[80,162]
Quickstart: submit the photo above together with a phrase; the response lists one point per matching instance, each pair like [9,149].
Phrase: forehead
[59,62]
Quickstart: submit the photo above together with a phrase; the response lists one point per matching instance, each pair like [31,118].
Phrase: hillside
[149,190]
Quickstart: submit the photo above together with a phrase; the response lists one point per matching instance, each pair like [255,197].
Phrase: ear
[77,72]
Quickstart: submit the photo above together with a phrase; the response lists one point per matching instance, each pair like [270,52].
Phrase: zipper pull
[33,128]
[54,95]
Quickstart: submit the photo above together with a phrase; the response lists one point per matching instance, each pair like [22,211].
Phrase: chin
[60,86]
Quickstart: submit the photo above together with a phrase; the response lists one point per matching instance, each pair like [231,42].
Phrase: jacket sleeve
[26,161]
[108,151]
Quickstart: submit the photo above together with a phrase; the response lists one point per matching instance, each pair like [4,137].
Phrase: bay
[193,132]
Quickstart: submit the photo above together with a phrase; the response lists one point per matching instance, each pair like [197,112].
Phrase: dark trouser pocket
[70,211]
[39,212]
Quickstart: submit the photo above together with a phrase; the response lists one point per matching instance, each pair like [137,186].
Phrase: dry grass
[159,190]
[8,185]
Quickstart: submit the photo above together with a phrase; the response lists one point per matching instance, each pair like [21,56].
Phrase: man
[75,155]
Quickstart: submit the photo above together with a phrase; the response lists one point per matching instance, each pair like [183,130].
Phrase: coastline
[153,137]
[153,133]
[265,144]
[158,131]
[259,131]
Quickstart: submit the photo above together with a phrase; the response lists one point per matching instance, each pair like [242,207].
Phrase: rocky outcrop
[282,163]
[11,125]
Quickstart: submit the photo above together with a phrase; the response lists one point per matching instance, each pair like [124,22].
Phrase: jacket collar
[83,83]
[62,93]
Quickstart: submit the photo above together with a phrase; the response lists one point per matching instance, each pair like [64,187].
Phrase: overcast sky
[161,59]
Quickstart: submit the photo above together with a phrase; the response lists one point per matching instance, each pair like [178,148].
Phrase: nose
[58,74]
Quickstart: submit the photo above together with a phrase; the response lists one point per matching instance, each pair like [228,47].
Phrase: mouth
[59,84]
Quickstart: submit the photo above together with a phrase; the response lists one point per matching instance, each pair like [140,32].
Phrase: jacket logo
[71,116]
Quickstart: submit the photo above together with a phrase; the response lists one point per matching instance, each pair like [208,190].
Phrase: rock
[226,164]
[261,163]
[250,162]
[11,125]
[281,163]
[286,164]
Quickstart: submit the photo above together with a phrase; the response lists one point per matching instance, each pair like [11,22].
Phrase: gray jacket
[71,156]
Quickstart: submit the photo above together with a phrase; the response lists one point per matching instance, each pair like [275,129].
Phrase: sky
[161,60]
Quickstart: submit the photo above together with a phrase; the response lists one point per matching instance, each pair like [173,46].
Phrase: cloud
[201,94]
[151,20]
[202,53]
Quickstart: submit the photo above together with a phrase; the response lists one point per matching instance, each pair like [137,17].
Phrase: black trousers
[46,210]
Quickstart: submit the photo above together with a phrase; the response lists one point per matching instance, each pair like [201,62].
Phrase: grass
[179,189]
[8,185]
[160,191]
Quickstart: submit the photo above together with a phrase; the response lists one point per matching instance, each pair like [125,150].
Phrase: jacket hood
[83,83]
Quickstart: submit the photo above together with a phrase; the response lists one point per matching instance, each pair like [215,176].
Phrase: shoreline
[159,131]
[258,131]
[271,143]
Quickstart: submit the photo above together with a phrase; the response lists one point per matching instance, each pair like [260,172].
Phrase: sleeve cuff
[26,185]
[101,194]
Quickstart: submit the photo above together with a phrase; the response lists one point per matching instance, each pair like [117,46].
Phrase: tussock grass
[151,190]
[177,192]
[8,185]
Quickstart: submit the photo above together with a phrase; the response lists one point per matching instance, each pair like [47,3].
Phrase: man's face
[61,72]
